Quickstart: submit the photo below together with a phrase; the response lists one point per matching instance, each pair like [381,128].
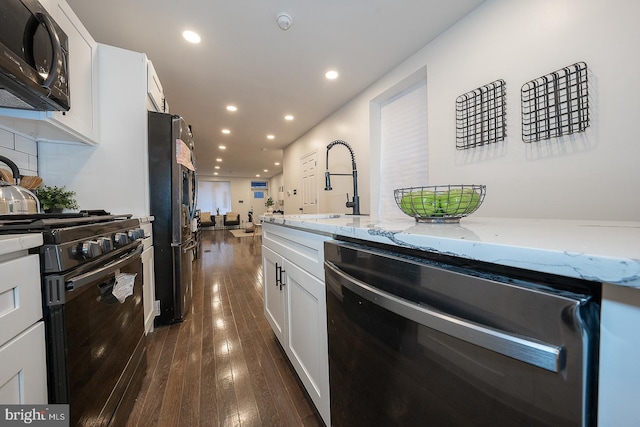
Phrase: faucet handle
[349,204]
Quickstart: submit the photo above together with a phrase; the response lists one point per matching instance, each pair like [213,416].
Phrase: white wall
[590,175]
[21,150]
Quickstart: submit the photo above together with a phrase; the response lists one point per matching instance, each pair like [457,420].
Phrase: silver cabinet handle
[530,351]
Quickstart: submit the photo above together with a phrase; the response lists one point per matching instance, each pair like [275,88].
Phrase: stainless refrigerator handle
[93,275]
[188,248]
[543,355]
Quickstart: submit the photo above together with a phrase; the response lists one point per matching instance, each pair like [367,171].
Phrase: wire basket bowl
[440,203]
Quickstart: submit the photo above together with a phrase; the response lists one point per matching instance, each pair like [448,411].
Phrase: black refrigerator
[172,191]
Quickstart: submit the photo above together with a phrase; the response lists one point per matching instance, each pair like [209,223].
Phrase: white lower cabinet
[295,305]
[23,366]
[23,371]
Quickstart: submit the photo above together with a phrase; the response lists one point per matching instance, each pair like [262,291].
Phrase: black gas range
[93,310]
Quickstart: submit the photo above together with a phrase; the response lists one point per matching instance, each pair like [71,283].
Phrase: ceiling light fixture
[266,170]
[218,160]
[216,167]
[232,108]
[271,137]
[288,117]
[191,36]
[277,163]
[258,175]
[226,131]
[215,173]
[331,74]
[222,147]
[284,21]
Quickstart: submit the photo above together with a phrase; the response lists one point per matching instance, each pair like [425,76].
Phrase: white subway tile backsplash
[20,150]
[26,145]
[7,139]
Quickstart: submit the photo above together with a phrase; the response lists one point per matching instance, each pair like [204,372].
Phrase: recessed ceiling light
[232,108]
[216,167]
[215,173]
[222,147]
[277,163]
[226,131]
[288,117]
[191,36]
[258,175]
[266,170]
[331,74]
[271,136]
[218,160]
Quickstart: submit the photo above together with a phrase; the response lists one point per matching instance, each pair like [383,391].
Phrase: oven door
[96,346]
[413,343]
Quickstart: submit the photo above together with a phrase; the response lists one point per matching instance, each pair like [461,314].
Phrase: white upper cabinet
[80,123]
[155,94]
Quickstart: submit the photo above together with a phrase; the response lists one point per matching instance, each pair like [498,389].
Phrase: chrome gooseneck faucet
[355,203]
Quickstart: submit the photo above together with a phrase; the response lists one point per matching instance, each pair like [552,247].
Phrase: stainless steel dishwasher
[447,342]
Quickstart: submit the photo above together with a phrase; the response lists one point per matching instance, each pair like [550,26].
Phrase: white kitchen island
[599,251]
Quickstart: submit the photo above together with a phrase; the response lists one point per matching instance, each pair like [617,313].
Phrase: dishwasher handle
[533,352]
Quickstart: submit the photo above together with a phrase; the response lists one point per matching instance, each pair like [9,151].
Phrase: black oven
[34,55]
[93,311]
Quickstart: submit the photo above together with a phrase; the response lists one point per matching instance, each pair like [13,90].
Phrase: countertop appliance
[441,341]
[93,310]
[173,192]
[15,199]
[34,57]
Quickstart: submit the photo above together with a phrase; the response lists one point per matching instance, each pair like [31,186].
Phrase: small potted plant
[54,199]
[269,204]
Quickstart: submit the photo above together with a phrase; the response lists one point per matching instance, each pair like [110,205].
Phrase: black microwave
[34,57]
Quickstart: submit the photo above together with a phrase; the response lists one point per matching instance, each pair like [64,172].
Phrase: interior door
[308,165]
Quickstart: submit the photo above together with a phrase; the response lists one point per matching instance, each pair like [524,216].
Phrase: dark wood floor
[222,366]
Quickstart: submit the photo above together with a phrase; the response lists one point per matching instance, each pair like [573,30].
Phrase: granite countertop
[17,242]
[604,251]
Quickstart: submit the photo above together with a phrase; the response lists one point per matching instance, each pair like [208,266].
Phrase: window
[259,185]
[214,196]
[400,120]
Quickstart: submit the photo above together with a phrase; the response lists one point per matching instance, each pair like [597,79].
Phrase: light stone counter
[602,251]
[594,250]
[19,242]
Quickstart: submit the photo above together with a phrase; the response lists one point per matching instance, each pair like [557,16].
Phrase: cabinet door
[274,302]
[155,93]
[81,122]
[23,372]
[82,118]
[307,333]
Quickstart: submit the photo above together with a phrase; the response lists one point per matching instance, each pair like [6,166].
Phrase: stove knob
[120,239]
[106,244]
[135,234]
[91,249]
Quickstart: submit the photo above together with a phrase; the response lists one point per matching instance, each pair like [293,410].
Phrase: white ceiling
[246,60]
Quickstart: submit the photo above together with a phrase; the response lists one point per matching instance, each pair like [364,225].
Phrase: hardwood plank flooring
[222,366]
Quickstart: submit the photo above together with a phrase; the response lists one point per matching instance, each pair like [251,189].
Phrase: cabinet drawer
[300,247]
[23,372]
[20,295]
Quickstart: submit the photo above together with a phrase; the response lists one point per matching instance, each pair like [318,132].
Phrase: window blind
[403,145]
